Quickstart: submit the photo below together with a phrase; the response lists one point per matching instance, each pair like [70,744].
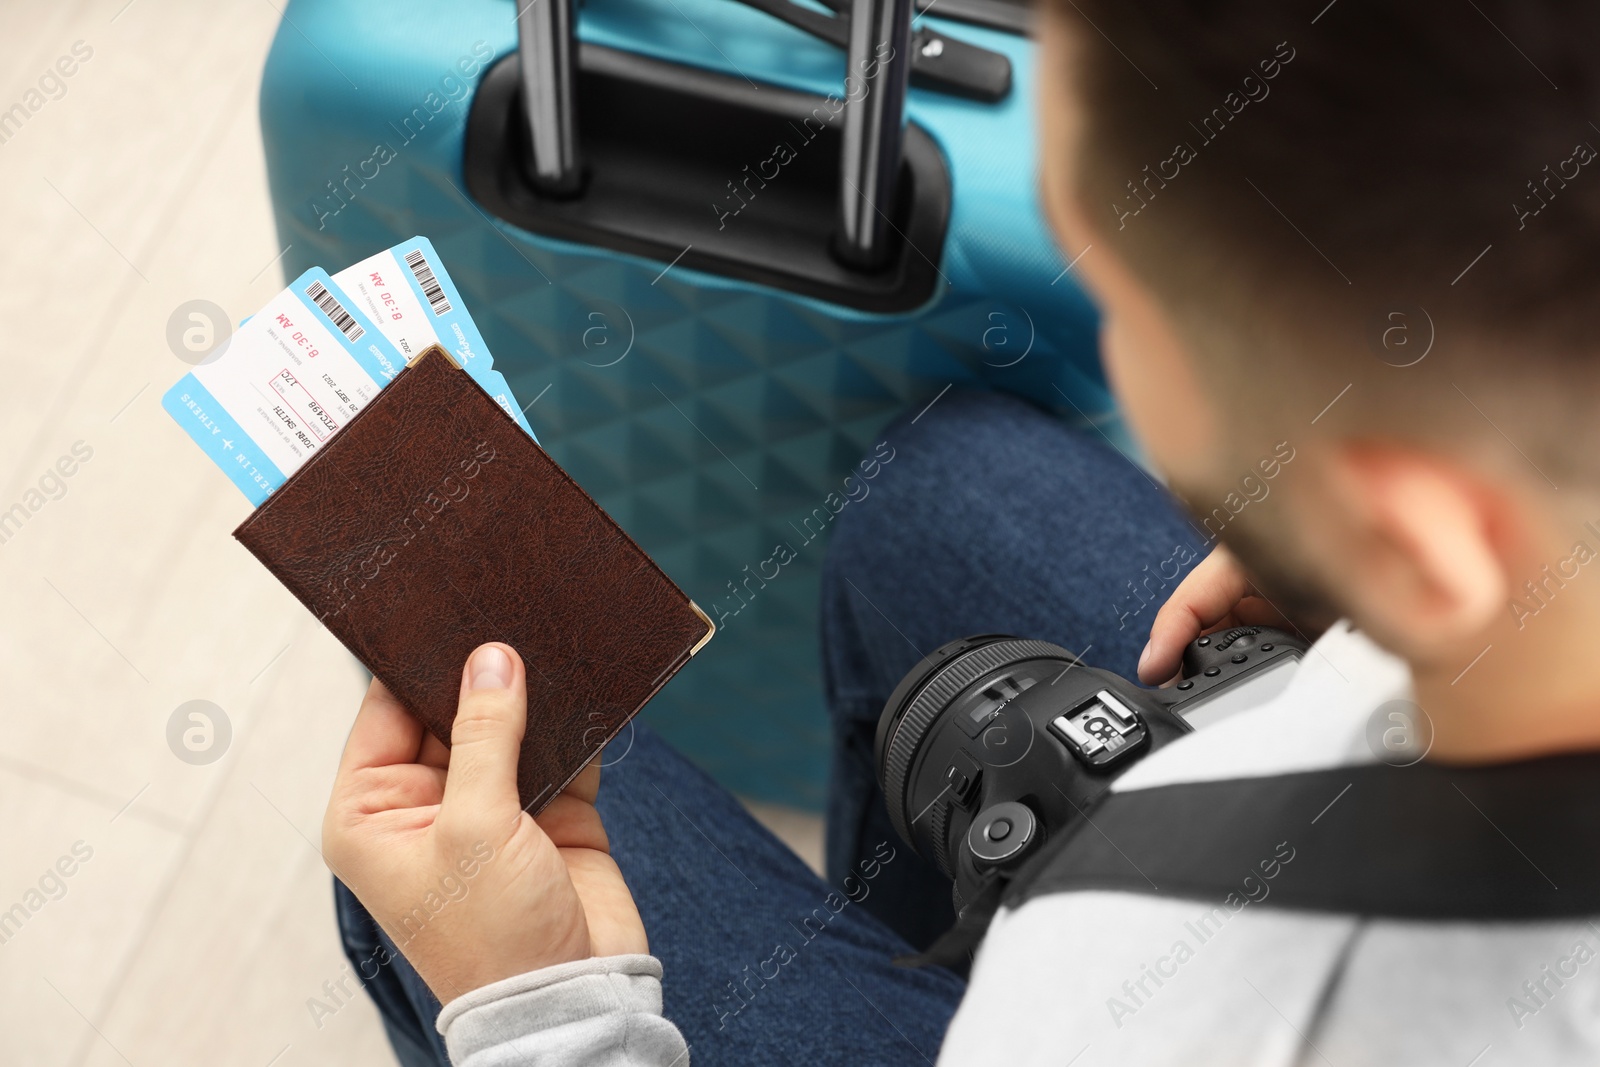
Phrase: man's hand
[435,843]
[1213,596]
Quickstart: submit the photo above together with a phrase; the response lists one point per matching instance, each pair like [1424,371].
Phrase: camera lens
[950,721]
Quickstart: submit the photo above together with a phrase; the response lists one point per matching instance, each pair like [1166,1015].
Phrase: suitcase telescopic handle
[547,45]
[878,72]
[874,129]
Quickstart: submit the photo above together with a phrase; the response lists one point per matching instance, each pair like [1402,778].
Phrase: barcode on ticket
[430,285]
[342,320]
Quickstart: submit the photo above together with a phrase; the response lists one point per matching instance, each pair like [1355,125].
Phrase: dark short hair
[1346,157]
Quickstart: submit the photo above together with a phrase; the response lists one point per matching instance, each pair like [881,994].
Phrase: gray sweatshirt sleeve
[601,1012]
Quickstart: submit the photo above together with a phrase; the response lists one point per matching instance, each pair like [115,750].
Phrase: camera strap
[1508,842]
[1504,843]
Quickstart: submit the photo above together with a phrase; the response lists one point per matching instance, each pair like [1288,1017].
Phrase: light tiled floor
[199,924]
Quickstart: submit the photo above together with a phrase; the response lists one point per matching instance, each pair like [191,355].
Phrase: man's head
[1371,232]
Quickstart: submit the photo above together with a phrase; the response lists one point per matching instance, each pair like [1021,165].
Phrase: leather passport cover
[432,523]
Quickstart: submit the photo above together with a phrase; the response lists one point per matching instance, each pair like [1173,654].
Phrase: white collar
[1318,721]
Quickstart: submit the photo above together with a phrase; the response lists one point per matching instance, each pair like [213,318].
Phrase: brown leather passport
[432,523]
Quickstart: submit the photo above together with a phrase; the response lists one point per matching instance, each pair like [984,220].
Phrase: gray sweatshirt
[1113,979]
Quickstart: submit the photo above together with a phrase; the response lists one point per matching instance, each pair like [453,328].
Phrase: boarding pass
[293,374]
[406,291]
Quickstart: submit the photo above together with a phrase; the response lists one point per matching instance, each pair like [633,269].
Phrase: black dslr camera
[993,743]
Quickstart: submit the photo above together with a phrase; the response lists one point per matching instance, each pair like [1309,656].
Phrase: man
[1296,226]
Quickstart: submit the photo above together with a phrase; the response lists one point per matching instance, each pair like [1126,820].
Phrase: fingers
[384,733]
[435,753]
[404,786]
[1205,597]
[586,786]
[486,738]
[573,823]
[373,771]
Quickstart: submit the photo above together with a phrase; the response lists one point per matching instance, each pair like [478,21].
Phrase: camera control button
[962,777]
[1212,672]
[1185,685]
[1002,833]
[1239,657]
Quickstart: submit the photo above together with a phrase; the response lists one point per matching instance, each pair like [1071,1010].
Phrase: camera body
[993,744]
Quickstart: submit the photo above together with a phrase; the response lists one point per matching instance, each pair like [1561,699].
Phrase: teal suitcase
[696,337]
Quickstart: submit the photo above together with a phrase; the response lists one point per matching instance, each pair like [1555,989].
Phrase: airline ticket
[294,373]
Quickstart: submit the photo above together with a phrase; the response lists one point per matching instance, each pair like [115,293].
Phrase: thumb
[486,737]
[1205,597]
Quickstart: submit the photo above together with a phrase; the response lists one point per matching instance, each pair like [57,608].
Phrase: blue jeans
[991,517]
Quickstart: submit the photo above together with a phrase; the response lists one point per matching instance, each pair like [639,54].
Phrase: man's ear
[1413,543]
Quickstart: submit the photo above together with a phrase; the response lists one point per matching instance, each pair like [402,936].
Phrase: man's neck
[1529,689]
